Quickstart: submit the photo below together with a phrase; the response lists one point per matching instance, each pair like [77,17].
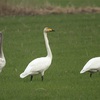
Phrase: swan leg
[42,78]
[90,74]
[31,78]
[42,75]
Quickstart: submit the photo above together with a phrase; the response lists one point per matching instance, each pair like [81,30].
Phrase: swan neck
[49,53]
[1,48]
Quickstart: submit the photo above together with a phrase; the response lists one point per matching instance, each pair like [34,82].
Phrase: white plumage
[92,66]
[39,65]
[2,58]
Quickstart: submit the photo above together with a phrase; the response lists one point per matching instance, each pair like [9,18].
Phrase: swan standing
[92,66]
[2,58]
[39,65]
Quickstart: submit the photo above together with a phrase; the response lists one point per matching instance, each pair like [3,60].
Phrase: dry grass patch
[7,9]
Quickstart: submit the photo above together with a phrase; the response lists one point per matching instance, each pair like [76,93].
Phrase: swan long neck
[1,48]
[49,53]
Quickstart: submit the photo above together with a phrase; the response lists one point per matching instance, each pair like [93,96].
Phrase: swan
[2,58]
[39,65]
[92,66]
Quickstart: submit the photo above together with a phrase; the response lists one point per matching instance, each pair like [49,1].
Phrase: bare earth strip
[14,10]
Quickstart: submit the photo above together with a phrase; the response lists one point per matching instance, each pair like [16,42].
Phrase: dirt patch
[6,9]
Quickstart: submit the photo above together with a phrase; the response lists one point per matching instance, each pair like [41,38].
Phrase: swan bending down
[39,65]
[2,58]
[92,66]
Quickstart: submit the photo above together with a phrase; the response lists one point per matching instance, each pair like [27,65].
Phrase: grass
[63,3]
[74,42]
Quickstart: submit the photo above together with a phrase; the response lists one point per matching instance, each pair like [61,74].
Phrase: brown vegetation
[6,9]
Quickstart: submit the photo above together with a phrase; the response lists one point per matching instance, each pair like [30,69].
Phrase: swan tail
[23,75]
[82,71]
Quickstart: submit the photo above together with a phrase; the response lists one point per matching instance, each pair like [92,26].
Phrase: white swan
[2,58]
[92,66]
[39,65]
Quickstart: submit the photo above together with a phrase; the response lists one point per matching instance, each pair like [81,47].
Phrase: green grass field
[38,3]
[74,42]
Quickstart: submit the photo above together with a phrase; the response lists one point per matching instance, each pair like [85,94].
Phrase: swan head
[47,29]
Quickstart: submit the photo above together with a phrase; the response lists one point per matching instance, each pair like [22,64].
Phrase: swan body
[2,58]
[2,63]
[92,66]
[39,65]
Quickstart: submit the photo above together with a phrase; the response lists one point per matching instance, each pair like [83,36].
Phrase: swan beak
[51,30]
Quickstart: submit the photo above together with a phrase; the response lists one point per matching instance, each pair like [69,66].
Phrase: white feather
[93,65]
[2,58]
[2,63]
[36,66]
